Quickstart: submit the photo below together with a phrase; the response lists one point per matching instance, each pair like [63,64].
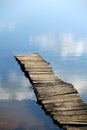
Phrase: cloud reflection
[80,83]
[65,45]
[2,26]
[71,47]
[16,87]
[45,41]
[11,27]
[7,27]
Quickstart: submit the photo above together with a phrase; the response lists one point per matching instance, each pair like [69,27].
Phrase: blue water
[55,29]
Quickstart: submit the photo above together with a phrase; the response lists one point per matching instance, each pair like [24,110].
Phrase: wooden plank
[44,77]
[59,99]
[38,69]
[69,112]
[34,63]
[39,73]
[74,120]
[30,57]
[59,82]
[74,128]
[55,90]
[66,105]
[67,97]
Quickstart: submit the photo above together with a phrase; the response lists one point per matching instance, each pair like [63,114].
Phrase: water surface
[55,29]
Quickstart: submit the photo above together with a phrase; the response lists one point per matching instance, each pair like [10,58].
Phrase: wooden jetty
[59,99]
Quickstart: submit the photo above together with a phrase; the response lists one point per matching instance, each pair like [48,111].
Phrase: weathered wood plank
[55,90]
[73,128]
[39,73]
[34,63]
[74,120]
[30,57]
[43,77]
[69,112]
[59,99]
[66,97]
[38,69]
[65,106]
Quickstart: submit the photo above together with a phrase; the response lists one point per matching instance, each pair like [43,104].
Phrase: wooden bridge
[59,99]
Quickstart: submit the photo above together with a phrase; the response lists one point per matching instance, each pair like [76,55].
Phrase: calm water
[58,31]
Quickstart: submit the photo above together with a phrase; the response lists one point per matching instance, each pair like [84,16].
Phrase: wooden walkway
[59,99]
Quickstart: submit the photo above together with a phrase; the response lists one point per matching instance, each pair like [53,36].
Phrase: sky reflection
[19,115]
[16,87]
[9,27]
[65,45]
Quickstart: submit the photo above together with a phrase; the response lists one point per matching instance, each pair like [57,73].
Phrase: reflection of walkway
[59,99]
